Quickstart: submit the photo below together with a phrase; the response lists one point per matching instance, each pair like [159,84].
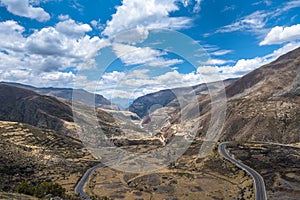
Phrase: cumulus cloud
[45,79]
[11,38]
[24,9]
[54,49]
[131,55]
[48,50]
[148,14]
[72,29]
[279,35]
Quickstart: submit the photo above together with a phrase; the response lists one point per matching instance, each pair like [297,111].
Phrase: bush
[25,188]
[49,188]
[41,190]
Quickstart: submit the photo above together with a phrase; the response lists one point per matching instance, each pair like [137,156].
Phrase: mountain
[20,105]
[25,106]
[265,104]
[163,98]
[262,105]
[280,77]
[67,93]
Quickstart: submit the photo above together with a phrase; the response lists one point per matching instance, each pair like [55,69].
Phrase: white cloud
[221,52]
[55,50]
[290,5]
[96,24]
[148,14]
[215,62]
[197,6]
[120,86]
[279,35]
[196,3]
[131,55]
[140,82]
[254,22]
[72,29]
[245,66]
[24,9]
[113,77]
[11,38]
[53,79]
[209,73]
[63,17]
[45,51]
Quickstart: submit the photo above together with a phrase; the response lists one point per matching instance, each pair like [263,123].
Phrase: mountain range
[262,105]
[40,135]
[67,94]
[163,98]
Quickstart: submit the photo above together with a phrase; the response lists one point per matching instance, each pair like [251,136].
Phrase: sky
[124,49]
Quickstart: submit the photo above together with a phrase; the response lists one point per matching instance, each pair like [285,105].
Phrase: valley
[53,141]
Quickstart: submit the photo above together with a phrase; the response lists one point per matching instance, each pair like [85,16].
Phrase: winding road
[259,184]
[80,185]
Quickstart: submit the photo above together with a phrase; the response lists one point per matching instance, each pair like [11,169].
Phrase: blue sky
[110,46]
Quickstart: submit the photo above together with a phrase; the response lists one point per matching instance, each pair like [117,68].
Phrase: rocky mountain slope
[34,155]
[262,105]
[21,105]
[25,106]
[167,98]
[66,93]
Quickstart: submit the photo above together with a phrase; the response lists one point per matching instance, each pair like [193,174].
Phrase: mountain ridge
[162,98]
[262,105]
[67,93]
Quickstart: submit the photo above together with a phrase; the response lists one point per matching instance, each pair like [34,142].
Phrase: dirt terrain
[279,166]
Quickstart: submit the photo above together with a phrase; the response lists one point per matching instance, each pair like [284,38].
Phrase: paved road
[259,184]
[80,184]
[79,187]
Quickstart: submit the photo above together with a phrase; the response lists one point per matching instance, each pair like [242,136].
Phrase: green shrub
[25,188]
[49,188]
[41,190]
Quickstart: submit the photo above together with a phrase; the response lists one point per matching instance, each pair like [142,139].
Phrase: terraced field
[37,155]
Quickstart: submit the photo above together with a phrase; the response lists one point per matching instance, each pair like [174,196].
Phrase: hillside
[262,105]
[25,106]
[37,155]
[67,93]
[21,105]
[164,98]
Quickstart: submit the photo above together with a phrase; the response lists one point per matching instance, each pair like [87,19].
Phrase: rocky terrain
[25,106]
[37,155]
[263,105]
[190,177]
[279,166]
[21,105]
[167,98]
